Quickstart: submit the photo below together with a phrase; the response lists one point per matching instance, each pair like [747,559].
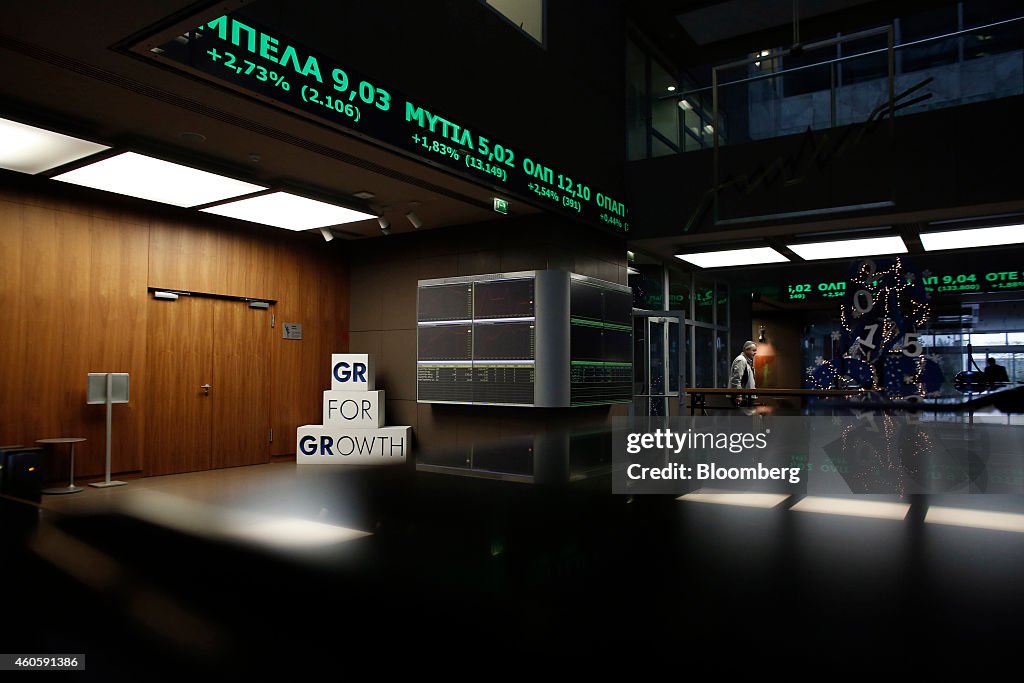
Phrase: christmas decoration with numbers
[353,431]
[877,346]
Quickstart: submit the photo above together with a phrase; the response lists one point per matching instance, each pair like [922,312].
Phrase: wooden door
[196,341]
[241,385]
[179,413]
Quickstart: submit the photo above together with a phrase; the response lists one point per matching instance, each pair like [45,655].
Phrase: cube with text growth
[353,431]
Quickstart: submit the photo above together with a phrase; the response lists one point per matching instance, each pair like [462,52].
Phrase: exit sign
[500,205]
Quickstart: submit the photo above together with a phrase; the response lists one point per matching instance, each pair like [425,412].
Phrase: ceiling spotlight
[685,105]
[328,235]
[415,220]
[671,88]
[364,195]
[385,226]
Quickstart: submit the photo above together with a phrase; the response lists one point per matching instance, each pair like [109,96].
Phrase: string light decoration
[879,336]
[890,454]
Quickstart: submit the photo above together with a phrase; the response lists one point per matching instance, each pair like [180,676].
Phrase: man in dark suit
[995,374]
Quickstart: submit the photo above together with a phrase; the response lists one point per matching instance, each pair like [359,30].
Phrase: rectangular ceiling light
[288,211]
[144,177]
[28,149]
[853,508]
[750,500]
[977,519]
[733,257]
[867,246]
[973,237]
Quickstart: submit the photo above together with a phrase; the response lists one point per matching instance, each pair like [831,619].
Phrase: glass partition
[941,57]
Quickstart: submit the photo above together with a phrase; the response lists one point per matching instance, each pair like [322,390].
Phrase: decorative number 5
[911,346]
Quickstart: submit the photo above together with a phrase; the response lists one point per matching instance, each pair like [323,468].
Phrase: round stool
[70,488]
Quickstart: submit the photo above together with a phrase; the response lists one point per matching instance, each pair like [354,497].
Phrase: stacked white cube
[353,431]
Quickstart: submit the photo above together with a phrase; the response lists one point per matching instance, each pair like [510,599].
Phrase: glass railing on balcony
[845,80]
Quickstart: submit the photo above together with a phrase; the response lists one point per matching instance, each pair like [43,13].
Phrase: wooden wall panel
[33,330]
[44,268]
[104,314]
[205,258]
[13,429]
[73,288]
[333,315]
[295,389]
[73,285]
[309,282]
[11,246]
[290,401]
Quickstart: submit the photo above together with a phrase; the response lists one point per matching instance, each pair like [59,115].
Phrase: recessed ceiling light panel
[288,211]
[973,237]
[144,177]
[733,257]
[28,149]
[868,246]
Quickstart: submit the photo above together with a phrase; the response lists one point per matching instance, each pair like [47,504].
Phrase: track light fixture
[385,226]
[328,235]
[415,220]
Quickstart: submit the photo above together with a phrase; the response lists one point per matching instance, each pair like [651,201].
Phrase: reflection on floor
[959,513]
[236,570]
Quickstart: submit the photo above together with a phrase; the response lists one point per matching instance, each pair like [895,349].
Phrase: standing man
[995,374]
[741,375]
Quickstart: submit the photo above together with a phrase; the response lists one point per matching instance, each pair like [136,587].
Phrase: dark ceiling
[695,34]
[60,71]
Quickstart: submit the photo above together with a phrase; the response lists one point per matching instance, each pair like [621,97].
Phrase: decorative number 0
[857,304]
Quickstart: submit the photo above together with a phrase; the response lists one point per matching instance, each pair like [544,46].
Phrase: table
[697,400]
[70,488]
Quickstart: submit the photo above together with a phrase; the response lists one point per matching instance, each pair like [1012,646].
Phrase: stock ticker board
[934,283]
[256,60]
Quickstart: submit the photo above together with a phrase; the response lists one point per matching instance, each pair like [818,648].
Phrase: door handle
[206,388]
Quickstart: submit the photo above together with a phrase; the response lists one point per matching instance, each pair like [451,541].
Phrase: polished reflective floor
[237,570]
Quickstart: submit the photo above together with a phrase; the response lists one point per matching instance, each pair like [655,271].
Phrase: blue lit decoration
[877,347]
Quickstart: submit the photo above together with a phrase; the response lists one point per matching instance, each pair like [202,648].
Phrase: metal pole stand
[106,483]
